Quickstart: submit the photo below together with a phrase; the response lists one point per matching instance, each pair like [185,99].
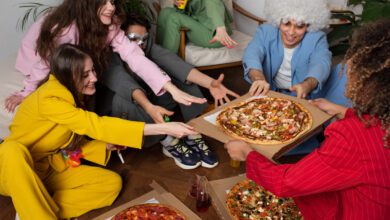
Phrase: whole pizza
[265,120]
[247,200]
[150,212]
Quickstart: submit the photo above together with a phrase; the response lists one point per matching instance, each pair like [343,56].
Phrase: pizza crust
[169,209]
[307,125]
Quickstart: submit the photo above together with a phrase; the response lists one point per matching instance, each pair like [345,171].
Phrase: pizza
[150,212]
[265,120]
[247,200]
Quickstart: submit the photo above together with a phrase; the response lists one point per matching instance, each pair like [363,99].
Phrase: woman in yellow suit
[39,166]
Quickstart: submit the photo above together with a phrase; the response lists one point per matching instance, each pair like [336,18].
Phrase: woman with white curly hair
[290,53]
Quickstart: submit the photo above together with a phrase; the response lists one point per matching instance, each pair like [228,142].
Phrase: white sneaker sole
[177,162]
[209,165]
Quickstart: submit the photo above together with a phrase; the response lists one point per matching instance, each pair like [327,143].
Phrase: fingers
[220,102]
[230,42]
[235,95]
[187,126]
[191,99]
[213,40]
[221,77]
[297,89]
[226,99]
[158,119]
[12,102]
[258,91]
[253,89]
[167,112]
[265,89]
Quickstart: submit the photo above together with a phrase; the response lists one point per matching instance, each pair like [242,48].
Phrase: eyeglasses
[140,39]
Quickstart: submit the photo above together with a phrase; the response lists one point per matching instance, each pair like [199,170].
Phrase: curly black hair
[369,67]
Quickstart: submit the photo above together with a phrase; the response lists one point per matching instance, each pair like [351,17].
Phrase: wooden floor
[143,166]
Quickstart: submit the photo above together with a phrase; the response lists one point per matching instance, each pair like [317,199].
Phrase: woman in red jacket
[348,177]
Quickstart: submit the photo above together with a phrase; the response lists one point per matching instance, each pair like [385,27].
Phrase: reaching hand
[178,129]
[259,87]
[220,92]
[157,113]
[223,38]
[12,102]
[238,150]
[182,97]
[302,90]
[329,107]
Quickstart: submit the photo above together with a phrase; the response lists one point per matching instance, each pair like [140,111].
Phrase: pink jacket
[30,64]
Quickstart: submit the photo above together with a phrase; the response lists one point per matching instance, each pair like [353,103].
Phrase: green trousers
[168,30]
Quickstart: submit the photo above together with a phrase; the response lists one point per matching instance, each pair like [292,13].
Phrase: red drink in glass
[203,202]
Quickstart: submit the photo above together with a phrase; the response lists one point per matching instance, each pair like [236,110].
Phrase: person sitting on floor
[40,164]
[125,95]
[208,22]
[291,54]
[348,176]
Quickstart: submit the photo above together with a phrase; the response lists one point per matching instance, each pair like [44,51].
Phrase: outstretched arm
[217,89]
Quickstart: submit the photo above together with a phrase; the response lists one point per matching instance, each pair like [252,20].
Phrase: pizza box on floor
[206,125]
[157,195]
[218,192]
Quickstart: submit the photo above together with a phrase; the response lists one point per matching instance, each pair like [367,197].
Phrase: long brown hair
[67,65]
[370,65]
[92,33]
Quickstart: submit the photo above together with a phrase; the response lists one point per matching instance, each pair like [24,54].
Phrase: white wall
[10,36]
[245,24]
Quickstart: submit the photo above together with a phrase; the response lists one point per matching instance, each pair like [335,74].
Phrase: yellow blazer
[47,118]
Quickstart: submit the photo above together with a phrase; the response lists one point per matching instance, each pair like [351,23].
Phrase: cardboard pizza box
[218,192]
[157,195]
[205,124]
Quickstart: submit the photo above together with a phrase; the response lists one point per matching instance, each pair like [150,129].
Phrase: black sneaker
[184,157]
[208,158]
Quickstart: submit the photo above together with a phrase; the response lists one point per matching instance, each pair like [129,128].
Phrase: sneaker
[197,144]
[184,157]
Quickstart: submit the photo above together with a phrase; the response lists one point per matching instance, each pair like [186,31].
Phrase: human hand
[157,113]
[12,101]
[238,150]
[223,38]
[259,87]
[304,88]
[182,97]
[329,107]
[178,129]
[220,92]
[177,3]
[112,147]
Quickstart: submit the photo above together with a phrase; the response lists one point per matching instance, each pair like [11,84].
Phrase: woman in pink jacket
[93,25]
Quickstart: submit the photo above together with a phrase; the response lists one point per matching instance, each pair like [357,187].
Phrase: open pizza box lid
[219,190]
[206,125]
[157,195]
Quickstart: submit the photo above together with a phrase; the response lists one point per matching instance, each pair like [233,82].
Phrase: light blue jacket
[311,57]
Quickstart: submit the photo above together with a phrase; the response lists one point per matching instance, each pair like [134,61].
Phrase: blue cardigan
[311,57]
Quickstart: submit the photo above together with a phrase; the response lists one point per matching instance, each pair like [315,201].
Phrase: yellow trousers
[66,194]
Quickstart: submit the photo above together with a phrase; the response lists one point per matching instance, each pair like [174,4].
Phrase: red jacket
[348,177]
